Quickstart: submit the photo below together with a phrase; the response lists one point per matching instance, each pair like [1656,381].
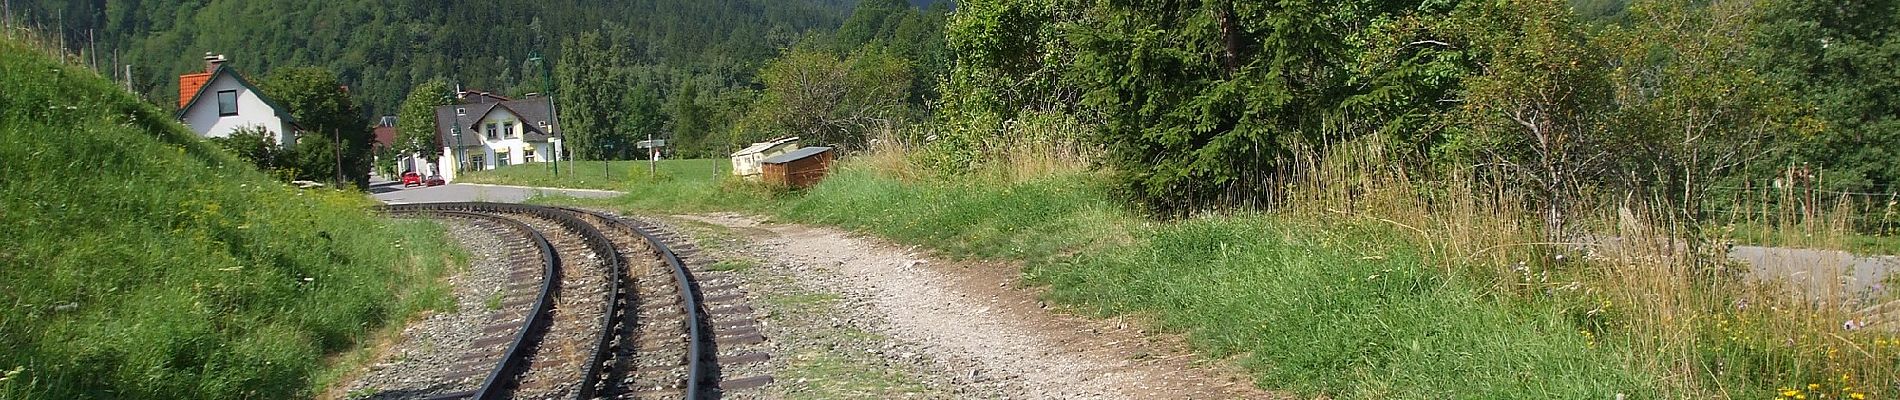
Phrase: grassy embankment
[141,262]
[1374,295]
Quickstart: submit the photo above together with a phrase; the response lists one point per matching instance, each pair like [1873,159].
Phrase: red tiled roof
[385,135]
[188,85]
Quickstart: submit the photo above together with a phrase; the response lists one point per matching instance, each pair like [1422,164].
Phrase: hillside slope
[141,262]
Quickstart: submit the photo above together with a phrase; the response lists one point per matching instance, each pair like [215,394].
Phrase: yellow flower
[1800,397]
[1786,392]
[1857,396]
[1814,386]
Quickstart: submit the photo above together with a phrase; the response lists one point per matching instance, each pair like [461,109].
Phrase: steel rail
[697,340]
[501,378]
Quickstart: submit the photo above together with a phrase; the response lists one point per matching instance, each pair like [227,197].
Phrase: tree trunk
[1231,38]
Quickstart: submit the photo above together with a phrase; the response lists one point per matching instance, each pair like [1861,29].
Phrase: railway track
[597,307]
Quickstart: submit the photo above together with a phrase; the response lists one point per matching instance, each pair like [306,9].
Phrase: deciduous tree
[320,103]
[415,120]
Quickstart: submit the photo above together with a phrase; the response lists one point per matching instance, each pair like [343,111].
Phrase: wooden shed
[798,168]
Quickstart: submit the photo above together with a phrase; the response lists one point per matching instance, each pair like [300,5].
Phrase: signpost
[606,170]
[653,153]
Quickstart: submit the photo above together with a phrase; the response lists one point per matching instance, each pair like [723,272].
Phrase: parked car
[434,180]
[411,178]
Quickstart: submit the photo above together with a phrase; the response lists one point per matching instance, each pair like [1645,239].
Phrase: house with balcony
[489,135]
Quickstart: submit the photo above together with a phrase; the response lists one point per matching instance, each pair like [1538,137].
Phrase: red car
[434,180]
[411,179]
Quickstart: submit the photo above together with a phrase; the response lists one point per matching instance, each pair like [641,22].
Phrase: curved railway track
[609,311]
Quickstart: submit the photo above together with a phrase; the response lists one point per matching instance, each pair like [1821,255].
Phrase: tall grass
[1697,323]
[141,262]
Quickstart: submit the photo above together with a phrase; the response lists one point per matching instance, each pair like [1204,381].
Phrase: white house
[219,100]
[745,162]
[487,135]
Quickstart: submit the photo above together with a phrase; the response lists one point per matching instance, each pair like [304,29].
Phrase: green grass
[610,175]
[1345,310]
[141,262]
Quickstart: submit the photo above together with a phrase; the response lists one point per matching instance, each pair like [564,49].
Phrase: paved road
[393,193]
[1820,273]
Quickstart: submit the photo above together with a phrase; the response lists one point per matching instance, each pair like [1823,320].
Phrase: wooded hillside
[382,48]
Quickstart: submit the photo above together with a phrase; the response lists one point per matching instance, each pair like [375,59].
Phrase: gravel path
[428,348]
[970,326]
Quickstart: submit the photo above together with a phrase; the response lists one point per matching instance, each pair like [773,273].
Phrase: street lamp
[547,87]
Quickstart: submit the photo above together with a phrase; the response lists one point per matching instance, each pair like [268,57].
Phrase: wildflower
[1814,386]
[1857,396]
[1786,392]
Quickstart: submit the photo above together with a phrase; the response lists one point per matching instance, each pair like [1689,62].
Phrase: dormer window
[227,103]
[461,111]
[544,124]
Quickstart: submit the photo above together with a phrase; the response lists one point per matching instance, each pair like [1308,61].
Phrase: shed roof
[795,155]
[765,145]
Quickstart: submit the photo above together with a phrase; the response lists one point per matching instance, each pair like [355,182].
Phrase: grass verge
[1351,311]
[143,263]
[1382,300]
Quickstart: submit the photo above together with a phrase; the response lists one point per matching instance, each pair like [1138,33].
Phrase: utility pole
[337,145]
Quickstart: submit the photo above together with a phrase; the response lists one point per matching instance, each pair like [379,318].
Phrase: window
[508,130]
[461,112]
[544,125]
[477,162]
[491,132]
[527,155]
[227,103]
[501,158]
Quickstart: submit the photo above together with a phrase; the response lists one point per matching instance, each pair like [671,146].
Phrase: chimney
[212,61]
[189,84]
